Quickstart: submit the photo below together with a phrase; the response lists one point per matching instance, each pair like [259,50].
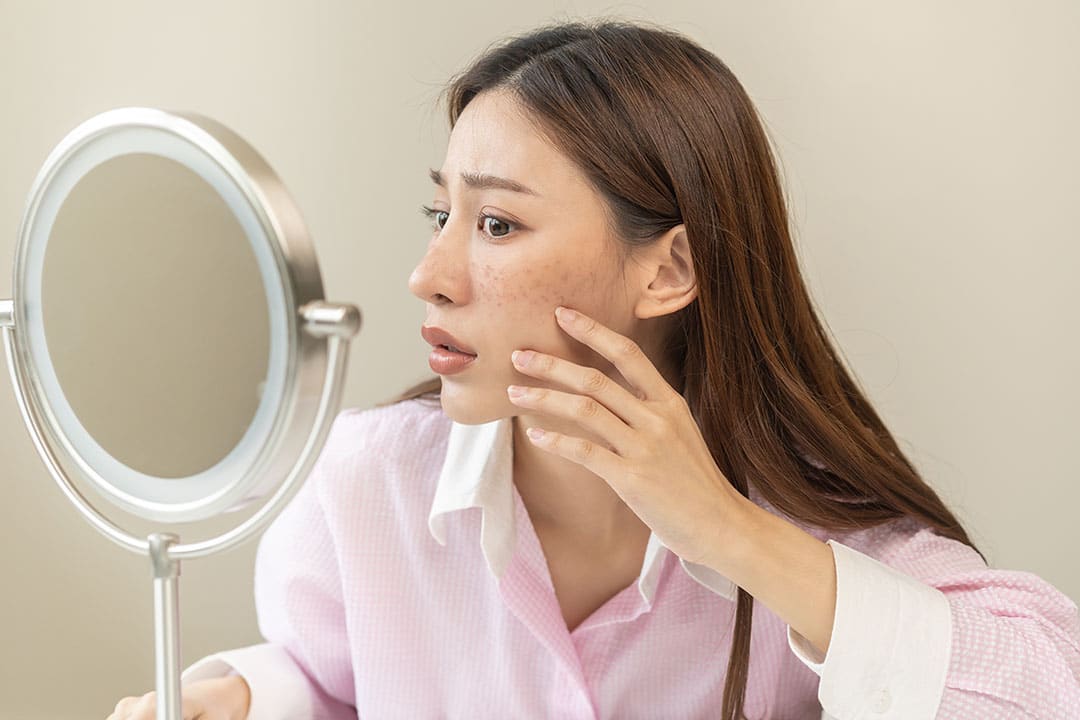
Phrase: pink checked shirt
[405,580]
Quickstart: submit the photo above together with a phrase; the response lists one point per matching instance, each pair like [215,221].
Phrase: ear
[667,271]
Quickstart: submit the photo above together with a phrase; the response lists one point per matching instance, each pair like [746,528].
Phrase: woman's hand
[659,463]
[224,698]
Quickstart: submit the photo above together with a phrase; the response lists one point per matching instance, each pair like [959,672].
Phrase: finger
[585,381]
[123,707]
[624,353]
[145,707]
[599,460]
[581,409]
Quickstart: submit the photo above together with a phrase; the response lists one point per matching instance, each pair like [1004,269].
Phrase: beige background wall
[930,148]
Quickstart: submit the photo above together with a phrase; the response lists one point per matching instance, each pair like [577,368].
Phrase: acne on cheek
[520,286]
[535,291]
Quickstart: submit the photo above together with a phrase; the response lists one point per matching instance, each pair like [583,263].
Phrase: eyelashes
[431,213]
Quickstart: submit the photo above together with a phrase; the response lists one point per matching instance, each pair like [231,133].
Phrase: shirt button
[882,701]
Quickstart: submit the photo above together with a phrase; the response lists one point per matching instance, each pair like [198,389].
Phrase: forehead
[493,136]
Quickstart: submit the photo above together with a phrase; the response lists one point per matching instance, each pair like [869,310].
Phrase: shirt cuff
[890,646]
[280,689]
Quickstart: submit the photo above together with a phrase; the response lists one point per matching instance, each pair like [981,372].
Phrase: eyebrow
[483,181]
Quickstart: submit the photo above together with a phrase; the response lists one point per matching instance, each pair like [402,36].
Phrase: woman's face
[500,261]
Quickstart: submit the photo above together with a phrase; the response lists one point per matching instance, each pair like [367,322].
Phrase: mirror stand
[166,624]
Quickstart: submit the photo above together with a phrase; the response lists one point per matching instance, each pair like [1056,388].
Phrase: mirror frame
[278,436]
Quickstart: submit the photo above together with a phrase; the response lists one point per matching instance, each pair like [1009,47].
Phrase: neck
[565,497]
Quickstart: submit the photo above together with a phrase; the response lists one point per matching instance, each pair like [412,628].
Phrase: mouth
[451,348]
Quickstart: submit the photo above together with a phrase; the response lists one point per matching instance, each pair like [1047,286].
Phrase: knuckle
[627,348]
[658,437]
[145,704]
[595,381]
[583,449]
[587,407]
[677,401]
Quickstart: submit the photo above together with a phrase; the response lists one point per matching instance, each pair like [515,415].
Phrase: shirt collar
[478,472]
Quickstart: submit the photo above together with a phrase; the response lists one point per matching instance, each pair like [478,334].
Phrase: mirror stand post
[166,625]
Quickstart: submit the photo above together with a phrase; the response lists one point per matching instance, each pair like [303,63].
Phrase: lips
[437,337]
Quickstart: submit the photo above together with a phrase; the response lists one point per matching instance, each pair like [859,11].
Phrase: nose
[419,280]
[442,274]
[430,280]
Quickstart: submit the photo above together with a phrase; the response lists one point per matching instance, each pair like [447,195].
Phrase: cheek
[531,294]
[523,301]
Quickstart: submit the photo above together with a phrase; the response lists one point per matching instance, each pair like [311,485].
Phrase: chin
[462,409]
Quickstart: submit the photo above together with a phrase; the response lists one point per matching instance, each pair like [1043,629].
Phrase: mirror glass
[155,315]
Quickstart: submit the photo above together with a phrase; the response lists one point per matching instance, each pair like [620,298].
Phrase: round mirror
[168,339]
[157,381]
[159,275]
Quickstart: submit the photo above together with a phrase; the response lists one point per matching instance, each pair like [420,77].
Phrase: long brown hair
[666,134]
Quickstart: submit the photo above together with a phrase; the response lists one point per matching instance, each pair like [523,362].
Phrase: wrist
[734,542]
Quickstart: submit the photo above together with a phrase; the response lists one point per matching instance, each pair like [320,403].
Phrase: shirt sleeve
[303,670]
[924,629]
[280,687]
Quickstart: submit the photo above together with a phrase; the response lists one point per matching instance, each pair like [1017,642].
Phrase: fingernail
[565,314]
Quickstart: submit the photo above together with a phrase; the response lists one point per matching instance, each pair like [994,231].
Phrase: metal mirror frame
[315,335]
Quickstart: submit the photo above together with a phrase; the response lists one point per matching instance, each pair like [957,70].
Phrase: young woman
[714,522]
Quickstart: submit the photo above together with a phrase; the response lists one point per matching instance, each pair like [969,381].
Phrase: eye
[433,214]
[498,228]
[498,222]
